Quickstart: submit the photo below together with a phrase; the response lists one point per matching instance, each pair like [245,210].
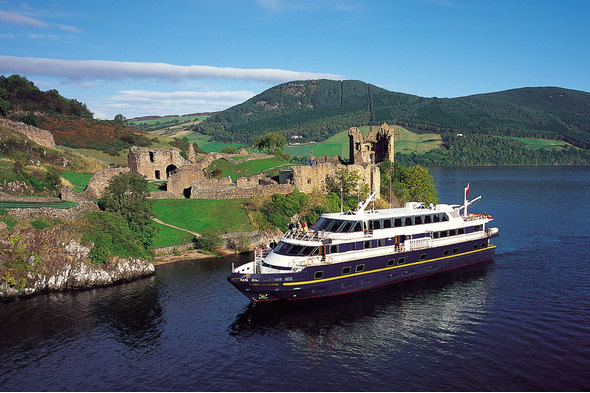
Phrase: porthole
[317,275]
[422,257]
[446,252]
[359,268]
[346,270]
[391,262]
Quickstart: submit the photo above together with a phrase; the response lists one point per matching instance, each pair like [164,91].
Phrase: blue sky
[184,56]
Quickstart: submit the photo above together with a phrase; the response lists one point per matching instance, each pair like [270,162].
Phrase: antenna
[341,197]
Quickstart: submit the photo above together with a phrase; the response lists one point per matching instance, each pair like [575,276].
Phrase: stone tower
[374,148]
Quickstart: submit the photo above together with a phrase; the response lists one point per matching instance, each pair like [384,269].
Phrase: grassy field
[170,237]
[78,180]
[197,215]
[405,142]
[248,168]
[535,143]
[36,205]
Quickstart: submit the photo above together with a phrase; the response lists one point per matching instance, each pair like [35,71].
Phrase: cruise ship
[367,248]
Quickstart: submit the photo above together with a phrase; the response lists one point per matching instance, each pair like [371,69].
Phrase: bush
[40,223]
[209,241]
[111,236]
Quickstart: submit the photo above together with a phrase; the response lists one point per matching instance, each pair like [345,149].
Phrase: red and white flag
[467,190]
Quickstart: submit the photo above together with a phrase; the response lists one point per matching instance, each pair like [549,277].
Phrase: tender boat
[363,249]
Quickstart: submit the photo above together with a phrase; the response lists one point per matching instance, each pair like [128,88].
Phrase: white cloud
[133,103]
[21,20]
[78,70]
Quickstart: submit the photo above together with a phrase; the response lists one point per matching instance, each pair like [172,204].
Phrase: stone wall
[183,179]
[50,212]
[374,148]
[233,191]
[37,135]
[314,177]
[155,164]
[96,185]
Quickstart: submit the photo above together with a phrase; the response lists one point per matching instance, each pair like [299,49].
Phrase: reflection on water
[444,306]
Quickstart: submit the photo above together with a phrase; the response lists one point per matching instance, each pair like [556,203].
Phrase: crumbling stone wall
[55,213]
[179,182]
[155,164]
[315,177]
[96,185]
[37,135]
[233,191]
[374,148]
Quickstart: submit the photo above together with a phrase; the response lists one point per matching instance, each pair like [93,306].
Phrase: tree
[127,195]
[272,142]
[120,119]
[419,184]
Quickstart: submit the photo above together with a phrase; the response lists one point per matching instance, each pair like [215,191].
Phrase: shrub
[40,223]
[209,241]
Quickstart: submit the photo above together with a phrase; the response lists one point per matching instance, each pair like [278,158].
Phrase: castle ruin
[374,148]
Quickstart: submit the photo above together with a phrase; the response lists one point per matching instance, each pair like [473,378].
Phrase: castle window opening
[170,169]
[157,175]
[187,192]
[308,181]
[151,156]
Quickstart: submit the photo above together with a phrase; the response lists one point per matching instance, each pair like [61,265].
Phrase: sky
[139,58]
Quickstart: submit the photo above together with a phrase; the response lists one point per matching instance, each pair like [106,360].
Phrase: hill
[69,120]
[318,109]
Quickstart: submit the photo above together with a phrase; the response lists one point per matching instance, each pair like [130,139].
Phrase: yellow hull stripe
[405,265]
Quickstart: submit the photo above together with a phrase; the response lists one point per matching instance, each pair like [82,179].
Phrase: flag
[467,190]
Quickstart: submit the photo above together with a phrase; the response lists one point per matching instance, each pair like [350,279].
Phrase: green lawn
[197,215]
[248,168]
[36,205]
[78,180]
[536,143]
[170,237]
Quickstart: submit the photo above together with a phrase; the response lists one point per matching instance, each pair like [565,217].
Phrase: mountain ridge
[317,109]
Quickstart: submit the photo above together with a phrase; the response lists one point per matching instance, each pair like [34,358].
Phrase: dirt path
[172,226]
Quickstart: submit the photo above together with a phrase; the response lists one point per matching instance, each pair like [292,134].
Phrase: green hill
[318,109]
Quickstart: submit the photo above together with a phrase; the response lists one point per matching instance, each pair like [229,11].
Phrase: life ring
[330,260]
[309,261]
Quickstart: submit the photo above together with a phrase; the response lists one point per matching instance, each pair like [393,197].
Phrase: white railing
[417,244]
[309,235]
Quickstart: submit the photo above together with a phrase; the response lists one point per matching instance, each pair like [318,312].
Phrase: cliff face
[52,259]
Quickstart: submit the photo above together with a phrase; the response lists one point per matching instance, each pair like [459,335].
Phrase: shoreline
[187,256]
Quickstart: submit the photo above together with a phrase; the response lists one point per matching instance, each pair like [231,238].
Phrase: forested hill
[317,109]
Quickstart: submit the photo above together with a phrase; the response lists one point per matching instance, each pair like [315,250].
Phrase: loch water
[519,323]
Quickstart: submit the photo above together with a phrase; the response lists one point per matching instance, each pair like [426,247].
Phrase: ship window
[418,220]
[334,248]
[391,262]
[346,227]
[445,217]
[452,232]
[318,226]
[444,233]
[455,250]
[446,252]
[397,222]
[408,221]
[461,231]
[381,243]
[387,223]
[359,268]
[475,246]
[483,244]
[333,226]
[306,251]
[401,261]
[376,224]
[367,244]
[422,257]
[435,235]
[435,218]
[427,219]
[346,270]
[477,228]
[317,275]
[358,227]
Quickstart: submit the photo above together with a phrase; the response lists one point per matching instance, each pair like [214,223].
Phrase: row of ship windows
[392,262]
[329,225]
[298,250]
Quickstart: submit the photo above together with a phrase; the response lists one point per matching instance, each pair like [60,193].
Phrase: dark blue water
[519,323]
